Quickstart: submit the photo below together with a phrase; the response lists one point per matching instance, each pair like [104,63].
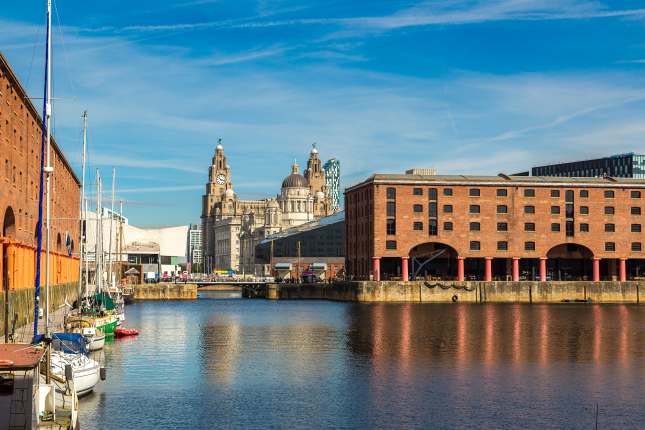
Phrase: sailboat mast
[48,169]
[83,227]
[110,239]
[99,235]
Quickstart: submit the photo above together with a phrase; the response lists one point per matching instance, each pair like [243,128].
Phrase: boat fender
[455,298]
[103,373]
[69,374]
[6,363]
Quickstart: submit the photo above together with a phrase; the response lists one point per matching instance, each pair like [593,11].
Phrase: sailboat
[59,365]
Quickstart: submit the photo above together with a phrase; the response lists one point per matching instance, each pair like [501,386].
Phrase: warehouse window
[447,208]
[555,193]
[447,226]
[584,210]
[636,194]
[529,246]
[474,209]
[636,228]
[529,192]
[529,226]
[418,191]
[584,193]
[610,228]
[475,226]
[555,226]
[391,226]
[474,192]
[529,209]
[502,245]
[555,210]
[502,226]
[391,193]
[447,191]
[418,208]
[432,230]
[418,225]
[610,246]
[475,245]
[390,244]
[432,209]
[609,210]
[432,194]
[636,246]
[502,209]
[584,227]
[609,194]
[635,210]
[502,192]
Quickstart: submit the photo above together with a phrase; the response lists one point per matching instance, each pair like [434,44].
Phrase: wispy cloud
[241,57]
[447,12]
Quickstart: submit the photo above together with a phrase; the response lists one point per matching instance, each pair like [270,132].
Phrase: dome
[295,180]
[314,150]
[219,147]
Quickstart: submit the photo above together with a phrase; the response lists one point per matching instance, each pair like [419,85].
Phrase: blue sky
[466,86]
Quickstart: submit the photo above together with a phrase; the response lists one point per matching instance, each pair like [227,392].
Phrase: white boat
[86,372]
[95,338]
[84,325]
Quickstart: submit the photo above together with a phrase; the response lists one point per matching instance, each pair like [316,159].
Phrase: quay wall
[21,302]
[165,292]
[451,291]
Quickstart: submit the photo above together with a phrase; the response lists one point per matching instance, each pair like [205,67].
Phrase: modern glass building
[332,183]
[628,165]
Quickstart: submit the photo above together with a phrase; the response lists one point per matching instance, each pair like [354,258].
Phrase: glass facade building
[620,166]
[332,183]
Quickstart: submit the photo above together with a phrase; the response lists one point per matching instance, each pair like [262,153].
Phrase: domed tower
[315,174]
[219,180]
[295,200]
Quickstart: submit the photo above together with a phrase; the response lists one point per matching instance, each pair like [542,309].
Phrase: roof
[30,106]
[500,180]
[23,355]
[332,219]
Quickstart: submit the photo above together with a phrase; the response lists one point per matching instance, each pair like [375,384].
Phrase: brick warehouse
[494,228]
[20,146]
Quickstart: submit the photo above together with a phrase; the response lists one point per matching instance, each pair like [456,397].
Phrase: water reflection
[290,364]
[511,335]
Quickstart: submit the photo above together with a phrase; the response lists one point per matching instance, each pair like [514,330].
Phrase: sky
[466,86]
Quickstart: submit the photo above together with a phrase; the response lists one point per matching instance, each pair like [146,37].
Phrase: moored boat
[119,332]
[85,371]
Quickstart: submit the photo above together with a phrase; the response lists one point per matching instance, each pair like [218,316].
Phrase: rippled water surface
[230,363]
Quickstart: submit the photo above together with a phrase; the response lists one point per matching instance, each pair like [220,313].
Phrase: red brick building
[495,228]
[20,146]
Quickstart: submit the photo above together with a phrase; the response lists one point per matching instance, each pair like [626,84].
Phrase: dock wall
[165,292]
[21,302]
[450,291]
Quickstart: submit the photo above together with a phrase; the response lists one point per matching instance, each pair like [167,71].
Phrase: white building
[231,226]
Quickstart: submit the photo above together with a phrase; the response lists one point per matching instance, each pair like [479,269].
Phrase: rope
[447,287]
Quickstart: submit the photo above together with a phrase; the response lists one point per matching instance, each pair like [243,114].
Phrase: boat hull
[86,372]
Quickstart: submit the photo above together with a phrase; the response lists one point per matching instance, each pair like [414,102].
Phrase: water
[230,363]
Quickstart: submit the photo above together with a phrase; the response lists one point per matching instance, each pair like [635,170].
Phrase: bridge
[234,285]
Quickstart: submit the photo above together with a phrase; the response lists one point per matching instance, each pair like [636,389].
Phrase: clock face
[221,179]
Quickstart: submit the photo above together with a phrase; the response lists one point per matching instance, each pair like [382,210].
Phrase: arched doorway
[9,223]
[8,231]
[570,262]
[433,260]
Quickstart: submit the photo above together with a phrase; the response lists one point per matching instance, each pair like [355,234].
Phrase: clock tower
[219,175]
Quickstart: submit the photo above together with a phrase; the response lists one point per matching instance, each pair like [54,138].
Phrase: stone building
[231,227]
[20,152]
[495,228]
